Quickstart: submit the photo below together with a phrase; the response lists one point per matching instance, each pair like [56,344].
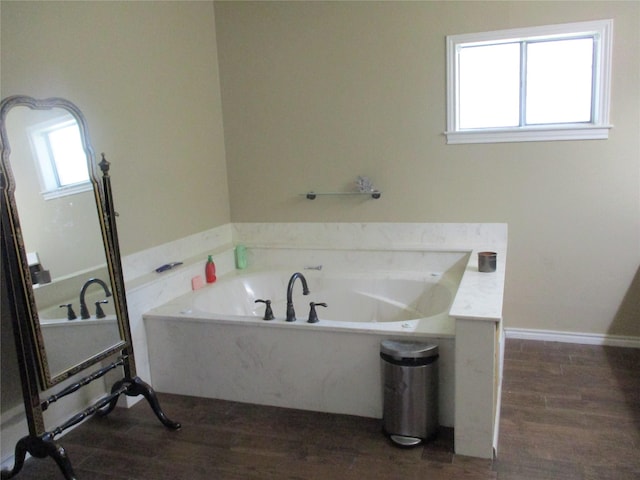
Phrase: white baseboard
[573,337]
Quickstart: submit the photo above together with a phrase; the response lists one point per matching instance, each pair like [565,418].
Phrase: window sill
[529,134]
[68,190]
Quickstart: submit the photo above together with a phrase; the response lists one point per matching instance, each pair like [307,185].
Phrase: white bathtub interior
[364,297]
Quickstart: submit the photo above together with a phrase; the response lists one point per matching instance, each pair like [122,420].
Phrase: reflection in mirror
[55,200]
[61,231]
[61,270]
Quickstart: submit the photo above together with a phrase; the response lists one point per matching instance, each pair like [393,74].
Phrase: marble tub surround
[481,294]
[139,268]
[473,364]
[385,236]
[325,367]
[147,289]
[332,366]
[404,262]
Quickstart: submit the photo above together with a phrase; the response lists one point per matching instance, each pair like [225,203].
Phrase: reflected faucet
[291,314]
[84,312]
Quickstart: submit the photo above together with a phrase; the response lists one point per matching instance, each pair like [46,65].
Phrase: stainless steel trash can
[410,376]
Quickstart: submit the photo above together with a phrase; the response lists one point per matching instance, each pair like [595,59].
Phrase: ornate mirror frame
[30,324]
[18,298]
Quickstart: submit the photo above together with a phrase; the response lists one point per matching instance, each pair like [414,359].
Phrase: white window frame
[598,128]
[45,164]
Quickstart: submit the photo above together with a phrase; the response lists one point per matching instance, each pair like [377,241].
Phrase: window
[60,158]
[529,84]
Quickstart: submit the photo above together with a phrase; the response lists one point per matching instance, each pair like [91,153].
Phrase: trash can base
[403,441]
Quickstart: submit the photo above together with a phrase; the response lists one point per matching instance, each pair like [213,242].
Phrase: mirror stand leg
[136,386]
[40,447]
[139,387]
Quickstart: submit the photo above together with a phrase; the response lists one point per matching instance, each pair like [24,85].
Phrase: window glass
[559,81]
[490,86]
[68,156]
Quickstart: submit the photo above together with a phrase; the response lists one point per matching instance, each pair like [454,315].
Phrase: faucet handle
[313,316]
[268,313]
[99,311]
[71,315]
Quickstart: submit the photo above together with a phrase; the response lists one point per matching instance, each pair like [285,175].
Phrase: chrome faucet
[84,312]
[291,313]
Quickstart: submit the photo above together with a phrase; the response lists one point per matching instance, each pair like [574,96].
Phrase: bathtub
[377,301]
[214,343]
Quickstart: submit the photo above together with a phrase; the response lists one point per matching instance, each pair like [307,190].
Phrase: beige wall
[318,93]
[315,94]
[145,74]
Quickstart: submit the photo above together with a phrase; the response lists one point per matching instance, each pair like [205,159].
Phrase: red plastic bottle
[210,270]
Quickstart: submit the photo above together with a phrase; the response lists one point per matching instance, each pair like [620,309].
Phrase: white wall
[316,93]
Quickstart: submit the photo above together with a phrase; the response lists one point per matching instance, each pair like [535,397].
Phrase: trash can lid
[408,349]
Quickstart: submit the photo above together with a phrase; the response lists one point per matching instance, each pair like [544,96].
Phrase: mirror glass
[54,190]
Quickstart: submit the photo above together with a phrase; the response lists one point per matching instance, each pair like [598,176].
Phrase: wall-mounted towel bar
[312,195]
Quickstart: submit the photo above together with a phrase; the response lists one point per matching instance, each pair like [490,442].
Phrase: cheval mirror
[61,274]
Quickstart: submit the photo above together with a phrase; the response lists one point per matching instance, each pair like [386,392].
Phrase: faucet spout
[291,313]
[84,311]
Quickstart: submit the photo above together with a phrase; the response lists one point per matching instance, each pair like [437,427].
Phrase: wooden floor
[568,412]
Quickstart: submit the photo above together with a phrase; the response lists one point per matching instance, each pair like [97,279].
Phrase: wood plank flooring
[568,412]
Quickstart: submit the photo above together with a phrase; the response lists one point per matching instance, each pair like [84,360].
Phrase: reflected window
[60,159]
